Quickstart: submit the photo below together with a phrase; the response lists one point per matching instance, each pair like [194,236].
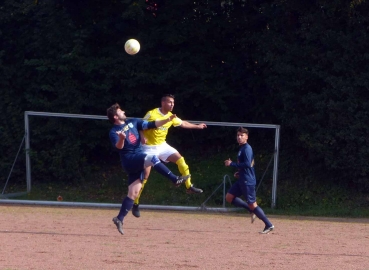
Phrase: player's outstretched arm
[186,124]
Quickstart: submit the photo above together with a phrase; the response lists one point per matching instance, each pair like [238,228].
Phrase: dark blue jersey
[245,165]
[131,153]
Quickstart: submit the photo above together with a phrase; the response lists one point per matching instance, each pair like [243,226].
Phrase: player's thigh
[168,153]
[134,177]
[151,149]
[151,160]
[134,188]
[235,190]
[249,193]
[133,163]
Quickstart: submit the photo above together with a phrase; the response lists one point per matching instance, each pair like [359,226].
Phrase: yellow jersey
[156,136]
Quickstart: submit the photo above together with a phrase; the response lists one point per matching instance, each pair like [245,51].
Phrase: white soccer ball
[132,46]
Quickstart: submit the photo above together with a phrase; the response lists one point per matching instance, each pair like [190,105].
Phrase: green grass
[109,185]
[158,191]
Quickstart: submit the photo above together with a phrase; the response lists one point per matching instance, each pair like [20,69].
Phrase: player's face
[168,104]
[242,138]
[121,116]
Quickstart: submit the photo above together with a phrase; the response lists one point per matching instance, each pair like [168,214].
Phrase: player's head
[167,102]
[242,135]
[114,112]
[167,96]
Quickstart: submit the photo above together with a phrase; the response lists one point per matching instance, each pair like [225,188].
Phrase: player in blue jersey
[125,136]
[245,185]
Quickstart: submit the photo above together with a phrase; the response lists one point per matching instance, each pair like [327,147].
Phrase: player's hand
[227,162]
[121,134]
[202,125]
[236,175]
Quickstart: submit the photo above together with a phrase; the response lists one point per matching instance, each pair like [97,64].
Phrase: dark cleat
[181,179]
[136,210]
[267,230]
[194,190]
[119,224]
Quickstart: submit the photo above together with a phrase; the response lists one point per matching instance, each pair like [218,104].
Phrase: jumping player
[125,136]
[245,185]
[156,144]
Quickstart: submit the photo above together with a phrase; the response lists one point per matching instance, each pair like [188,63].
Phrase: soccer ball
[132,46]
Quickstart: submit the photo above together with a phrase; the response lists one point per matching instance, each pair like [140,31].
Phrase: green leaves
[304,67]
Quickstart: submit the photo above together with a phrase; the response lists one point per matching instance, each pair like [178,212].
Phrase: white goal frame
[98,117]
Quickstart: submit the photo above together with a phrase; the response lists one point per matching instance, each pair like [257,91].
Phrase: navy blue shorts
[133,176]
[134,166]
[240,188]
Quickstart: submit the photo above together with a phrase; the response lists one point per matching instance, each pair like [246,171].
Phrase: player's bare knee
[253,205]
[133,194]
[229,198]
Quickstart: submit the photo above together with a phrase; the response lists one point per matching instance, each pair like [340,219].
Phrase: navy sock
[240,203]
[163,170]
[260,214]
[127,205]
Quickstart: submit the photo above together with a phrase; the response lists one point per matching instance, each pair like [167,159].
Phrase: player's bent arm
[247,157]
[242,165]
[159,123]
[121,138]
[186,124]
[119,144]
[155,124]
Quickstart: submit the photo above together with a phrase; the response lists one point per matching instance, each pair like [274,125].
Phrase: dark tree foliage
[303,66]
[315,61]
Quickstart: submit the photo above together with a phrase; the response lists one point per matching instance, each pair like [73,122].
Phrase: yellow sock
[136,201]
[184,170]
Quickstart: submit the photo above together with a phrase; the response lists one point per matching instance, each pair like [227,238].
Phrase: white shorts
[162,151]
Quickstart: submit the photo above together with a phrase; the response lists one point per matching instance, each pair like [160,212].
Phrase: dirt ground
[34,237]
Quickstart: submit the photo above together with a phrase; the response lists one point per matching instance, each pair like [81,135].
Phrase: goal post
[27,114]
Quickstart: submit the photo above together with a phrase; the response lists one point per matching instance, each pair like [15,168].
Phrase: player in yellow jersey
[155,142]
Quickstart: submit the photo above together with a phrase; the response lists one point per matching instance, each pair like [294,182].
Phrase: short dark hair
[165,96]
[243,130]
[112,111]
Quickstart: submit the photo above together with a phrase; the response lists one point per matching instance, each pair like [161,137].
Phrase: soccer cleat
[267,229]
[181,179]
[136,210]
[253,217]
[193,190]
[119,224]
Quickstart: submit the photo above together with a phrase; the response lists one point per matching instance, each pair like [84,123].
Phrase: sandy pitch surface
[55,238]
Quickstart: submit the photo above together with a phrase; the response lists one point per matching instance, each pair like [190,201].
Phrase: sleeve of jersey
[177,122]
[143,124]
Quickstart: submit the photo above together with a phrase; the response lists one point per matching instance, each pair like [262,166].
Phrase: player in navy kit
[125,136]
[246,182]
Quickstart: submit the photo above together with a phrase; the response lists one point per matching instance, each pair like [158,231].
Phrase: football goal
[214,127]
